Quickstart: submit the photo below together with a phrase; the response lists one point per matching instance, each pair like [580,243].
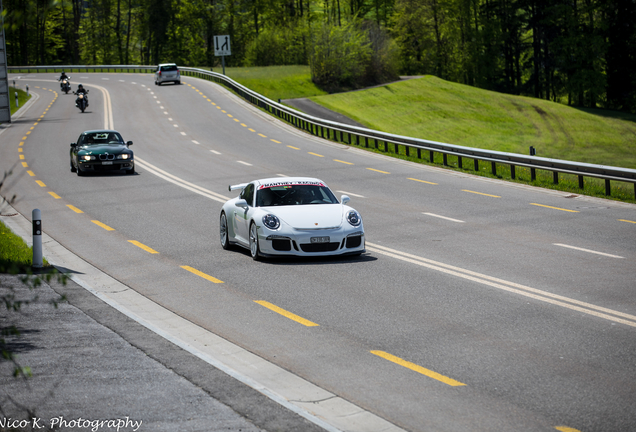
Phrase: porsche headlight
[271,221]
[87,157]
[123,156]
[354,218]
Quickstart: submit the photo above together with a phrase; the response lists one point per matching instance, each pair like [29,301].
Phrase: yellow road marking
[417,368]
[24,137]
[555,208]
[223,111]
[203,275]
[480,193]
[21,143]
[230,115]
[20,149]
[143,246]
[24,164]
[273,140]
[31,173]
[41,183]
[251,130]
[106,227]
[236,120]
[292,147]
[287,314]
[315,154]
[376,170]
[243,124]
[421,181]
[625,220]
[566,429]
[28,132]
[261,135]
[75,209]
[341,161]
[54,195]
[21,157]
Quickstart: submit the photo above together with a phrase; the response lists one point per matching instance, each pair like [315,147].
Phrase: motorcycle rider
[61,79]
[81,90]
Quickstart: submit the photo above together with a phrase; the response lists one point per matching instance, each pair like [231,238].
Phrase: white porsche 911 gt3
[291,216]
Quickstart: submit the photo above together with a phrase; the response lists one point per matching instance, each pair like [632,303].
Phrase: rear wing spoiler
[237,187]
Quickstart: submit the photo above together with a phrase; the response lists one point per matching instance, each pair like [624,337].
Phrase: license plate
[107,163]
[319,239]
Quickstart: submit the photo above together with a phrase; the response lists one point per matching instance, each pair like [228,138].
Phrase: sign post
[222,48]
[5,109]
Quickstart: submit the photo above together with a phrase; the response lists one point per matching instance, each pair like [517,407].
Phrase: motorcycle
[82,100]
[65,85]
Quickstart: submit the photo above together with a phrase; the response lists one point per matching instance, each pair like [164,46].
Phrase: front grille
[106,157]
[354,242]
[319,247]
[281,244]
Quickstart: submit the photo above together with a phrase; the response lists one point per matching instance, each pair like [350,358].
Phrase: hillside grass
[437,110]
[276,82]
[15,256]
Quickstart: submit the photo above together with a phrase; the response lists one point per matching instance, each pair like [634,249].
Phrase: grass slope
[434,109]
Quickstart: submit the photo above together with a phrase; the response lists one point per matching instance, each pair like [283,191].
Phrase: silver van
[167,72]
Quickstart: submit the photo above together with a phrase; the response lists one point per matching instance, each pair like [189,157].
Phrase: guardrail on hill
[380,140]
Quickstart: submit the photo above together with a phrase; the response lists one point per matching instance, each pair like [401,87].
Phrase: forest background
[577,52]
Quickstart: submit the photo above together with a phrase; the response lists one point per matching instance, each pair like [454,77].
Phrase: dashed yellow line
[555,208]
[41,183]
[285,313]
[292,147]
[143,246]
[628,221]
[31,173]
[75,209]
[377,170]
[54,195]
[24,164]
[103,225]
[261,135]
[480,193]
[273,140]
[341,161]
[201,274]
[421,181]
[417,368]
[315,154]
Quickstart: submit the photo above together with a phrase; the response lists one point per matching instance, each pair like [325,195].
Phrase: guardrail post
[419,153]
[36,217]
[445,158]
[555,177]
[581,182]
[432,156]
[366,145]
[512,172]
[476,164]
[494,168]
[459,162]
[608,188]
[533,174]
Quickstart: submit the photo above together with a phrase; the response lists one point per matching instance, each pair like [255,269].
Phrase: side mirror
[73,144]
[129,143]
[344,199]
[241,203]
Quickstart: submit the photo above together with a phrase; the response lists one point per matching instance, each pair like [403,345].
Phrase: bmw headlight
[123,156]
[271,221]
[354,218]
[88,157]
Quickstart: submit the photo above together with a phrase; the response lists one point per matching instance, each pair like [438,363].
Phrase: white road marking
[350,194]
[444,217]
[169,118]
[244,163]
[196,142]
[215,152]
[183,133]
[588,250]
[544,296]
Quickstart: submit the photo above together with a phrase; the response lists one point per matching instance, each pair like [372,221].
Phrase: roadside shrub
[277,46]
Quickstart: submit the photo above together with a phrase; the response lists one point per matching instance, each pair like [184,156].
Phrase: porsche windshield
[294,194]
[102,138]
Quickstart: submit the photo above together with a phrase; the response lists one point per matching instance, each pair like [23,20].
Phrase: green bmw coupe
[101,150]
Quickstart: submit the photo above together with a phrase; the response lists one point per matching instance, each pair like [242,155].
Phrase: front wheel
[254,249]
[223,232]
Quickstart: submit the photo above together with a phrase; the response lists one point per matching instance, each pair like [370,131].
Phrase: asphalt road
[480,305]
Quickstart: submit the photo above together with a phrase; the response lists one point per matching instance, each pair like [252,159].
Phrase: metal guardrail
[380,140]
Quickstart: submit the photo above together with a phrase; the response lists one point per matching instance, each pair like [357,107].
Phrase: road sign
[222,46]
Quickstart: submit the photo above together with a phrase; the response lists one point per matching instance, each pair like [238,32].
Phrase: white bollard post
[36,217]
[16,100]
[27,89]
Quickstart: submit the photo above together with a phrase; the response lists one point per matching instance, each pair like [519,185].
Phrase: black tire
[72,166]
[223,232]
[254,247]
[79,172]
[131,171]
